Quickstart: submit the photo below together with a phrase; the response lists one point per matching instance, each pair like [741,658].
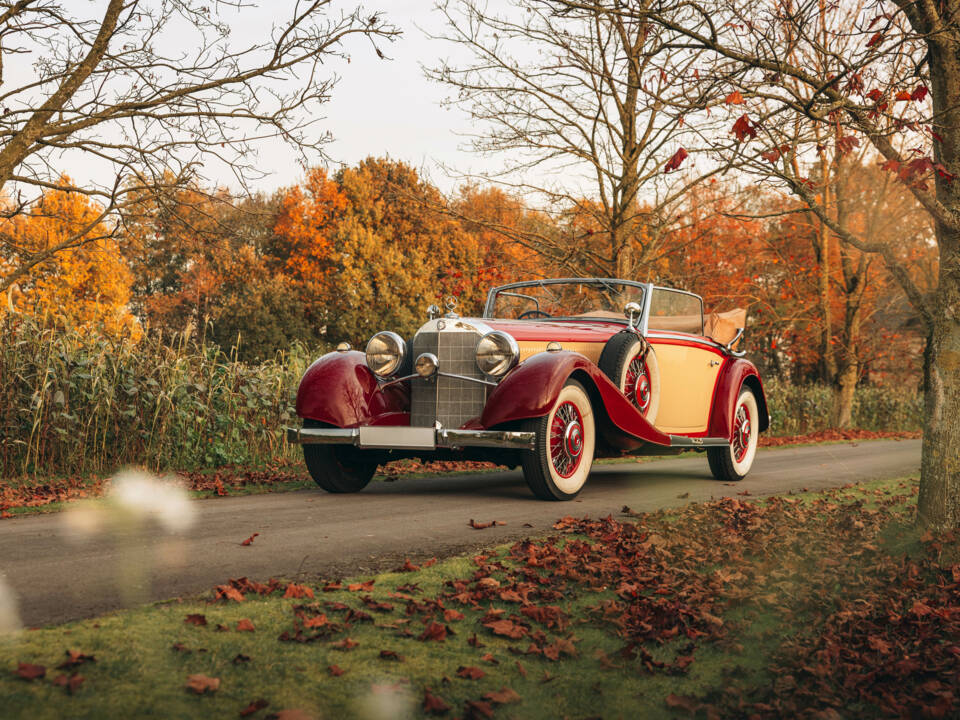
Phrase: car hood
[560,330]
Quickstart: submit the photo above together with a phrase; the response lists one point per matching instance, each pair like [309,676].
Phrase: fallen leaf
[228,592]
[71,684]
[27,671]
[245,625]
[506,628]
[316,621]
[74,658]
[345,644]
[503,696]
[201,684]
[335,670]
[478,708]
[298,591]
[198,620]
[362,586]
[390,655]
[253,707]
[249,541]
[433,631]
[470,672]
[434,704]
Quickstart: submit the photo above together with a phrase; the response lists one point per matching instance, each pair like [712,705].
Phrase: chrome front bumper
[390,437]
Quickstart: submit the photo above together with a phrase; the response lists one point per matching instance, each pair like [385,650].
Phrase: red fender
[733,376]
[339,389]
[530,390]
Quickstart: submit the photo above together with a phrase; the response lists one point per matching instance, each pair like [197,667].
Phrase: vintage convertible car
[554,374]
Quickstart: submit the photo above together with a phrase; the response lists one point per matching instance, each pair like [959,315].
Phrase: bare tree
[796,78]
[578,93]
[148,91]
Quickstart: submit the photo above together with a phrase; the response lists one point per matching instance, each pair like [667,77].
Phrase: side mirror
[632,310]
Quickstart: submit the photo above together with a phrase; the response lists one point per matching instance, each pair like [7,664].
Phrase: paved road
[58,577]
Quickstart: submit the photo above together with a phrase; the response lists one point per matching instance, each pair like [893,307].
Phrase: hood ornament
[451,304]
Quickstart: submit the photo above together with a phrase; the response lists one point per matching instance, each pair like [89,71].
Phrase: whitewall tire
[559,466]
[732,463]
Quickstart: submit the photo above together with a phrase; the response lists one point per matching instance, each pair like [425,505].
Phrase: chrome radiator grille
[450,401]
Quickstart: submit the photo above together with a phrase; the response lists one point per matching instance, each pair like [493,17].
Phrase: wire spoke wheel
[566,439]
[637,385]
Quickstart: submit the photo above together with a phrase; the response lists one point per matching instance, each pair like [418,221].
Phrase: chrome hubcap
[637,384]
[741,433]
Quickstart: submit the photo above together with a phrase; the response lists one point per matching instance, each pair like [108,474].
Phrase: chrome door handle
[714,363]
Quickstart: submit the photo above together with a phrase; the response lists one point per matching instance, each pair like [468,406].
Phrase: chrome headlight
[385,353]
[497,352]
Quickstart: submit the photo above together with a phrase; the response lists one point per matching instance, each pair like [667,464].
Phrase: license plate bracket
[406,438]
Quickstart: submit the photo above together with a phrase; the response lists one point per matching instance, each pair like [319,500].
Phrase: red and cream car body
[554,374]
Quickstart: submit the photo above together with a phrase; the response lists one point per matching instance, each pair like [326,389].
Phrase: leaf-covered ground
[28,495]
[825,605]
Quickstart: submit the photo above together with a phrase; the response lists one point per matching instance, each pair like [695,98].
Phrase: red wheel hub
[566,439]
[637,384]
[741,433]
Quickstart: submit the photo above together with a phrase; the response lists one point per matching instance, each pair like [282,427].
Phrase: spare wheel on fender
[631,364]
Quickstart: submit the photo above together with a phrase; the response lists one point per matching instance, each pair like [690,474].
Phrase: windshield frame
[492,294]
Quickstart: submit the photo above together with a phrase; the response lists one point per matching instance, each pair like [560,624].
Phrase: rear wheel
[338,468]
[732,463]
[558,468]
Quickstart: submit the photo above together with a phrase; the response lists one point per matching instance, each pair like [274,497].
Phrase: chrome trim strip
[444,438]
[684,441]
[647,299]
[701,339]
[322,436]
[464,377]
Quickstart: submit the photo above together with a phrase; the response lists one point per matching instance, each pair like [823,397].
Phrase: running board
[683,441]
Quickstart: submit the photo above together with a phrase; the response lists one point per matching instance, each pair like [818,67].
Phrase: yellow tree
[87,286]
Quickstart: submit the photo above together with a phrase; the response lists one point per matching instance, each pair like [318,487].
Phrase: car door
[688,376]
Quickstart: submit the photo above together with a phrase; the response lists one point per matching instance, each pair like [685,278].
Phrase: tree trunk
[939,501]
[846,386]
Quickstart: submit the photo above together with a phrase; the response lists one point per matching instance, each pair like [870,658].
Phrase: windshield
[565,299]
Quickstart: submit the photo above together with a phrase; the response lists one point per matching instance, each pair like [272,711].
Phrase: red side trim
[531,389]
[339,389]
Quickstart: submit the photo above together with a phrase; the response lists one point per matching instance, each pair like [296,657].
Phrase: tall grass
[78,402]
[74,403]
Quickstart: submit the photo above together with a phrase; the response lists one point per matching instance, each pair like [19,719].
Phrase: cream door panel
[591,349]
[687,378]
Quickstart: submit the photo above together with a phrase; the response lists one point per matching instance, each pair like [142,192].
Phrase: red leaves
[774,154]
[919,93]
[734,98]
[506,628]
[875,95]
[361,586]
[484,525]
[75,658]
[503,696]
[469,672]
[27,671]
[903,96]
[249,540]
[198,620]
[875,39]
[202,685]
[245,625]
[675,160]
[434,704]
[298,591]
[744,128]
[335,671]
[71,684]
[253,707]
[434,631]
[228,592]
[345,644]
[846,144]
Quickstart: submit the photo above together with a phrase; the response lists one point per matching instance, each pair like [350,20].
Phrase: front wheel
[558,468]
[732,463]
[338,468]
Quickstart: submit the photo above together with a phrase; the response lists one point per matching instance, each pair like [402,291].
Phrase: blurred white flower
[144,495]
[9,615]
[386,701]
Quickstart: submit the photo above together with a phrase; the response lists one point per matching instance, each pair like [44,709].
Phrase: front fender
[735,375]
[531,389]
[339,389]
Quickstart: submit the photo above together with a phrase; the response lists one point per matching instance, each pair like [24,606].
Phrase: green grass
[137,672]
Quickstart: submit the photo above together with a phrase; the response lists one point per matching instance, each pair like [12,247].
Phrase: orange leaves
[28,671]
[484,525]
[245,625]
[734,98]
[298,591]
[469,672]
[201,684]
[228,592]
[434,704]
[506,628]
[198,620]
[249,540]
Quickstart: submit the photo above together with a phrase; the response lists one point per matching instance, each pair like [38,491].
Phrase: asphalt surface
[59,573]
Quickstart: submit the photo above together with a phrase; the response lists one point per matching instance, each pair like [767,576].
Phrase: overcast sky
[388,107]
